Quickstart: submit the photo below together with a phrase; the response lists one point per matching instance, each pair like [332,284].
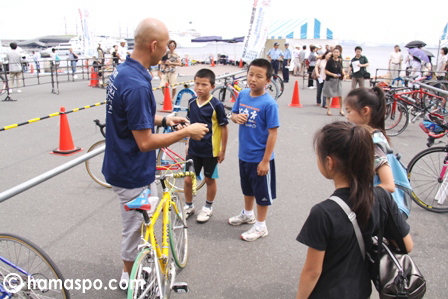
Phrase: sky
[380,21]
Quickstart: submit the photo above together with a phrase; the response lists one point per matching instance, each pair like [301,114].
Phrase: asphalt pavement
[77,222]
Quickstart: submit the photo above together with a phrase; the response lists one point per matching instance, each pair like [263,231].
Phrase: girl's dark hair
[352,149]
[372,97]
[312,48]
[325,54]
[445,50]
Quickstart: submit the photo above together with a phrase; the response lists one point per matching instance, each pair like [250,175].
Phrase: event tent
[300,28]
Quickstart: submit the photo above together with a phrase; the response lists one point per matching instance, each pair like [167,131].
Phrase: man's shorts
[131,221]
[210,166]
[170,78]
[262,187]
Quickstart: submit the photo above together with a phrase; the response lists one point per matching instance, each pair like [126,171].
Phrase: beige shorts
[131,222]
[170,78]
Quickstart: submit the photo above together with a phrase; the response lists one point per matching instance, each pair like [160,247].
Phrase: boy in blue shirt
[257,114]
[210,150]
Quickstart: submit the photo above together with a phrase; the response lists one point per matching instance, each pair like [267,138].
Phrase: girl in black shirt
[334,266]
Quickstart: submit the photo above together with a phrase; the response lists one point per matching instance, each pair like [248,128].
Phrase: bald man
[130,160]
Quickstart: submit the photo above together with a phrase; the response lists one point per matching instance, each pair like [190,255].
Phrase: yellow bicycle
[154,271]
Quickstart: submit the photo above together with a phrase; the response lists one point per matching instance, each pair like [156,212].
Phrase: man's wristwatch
[164,122]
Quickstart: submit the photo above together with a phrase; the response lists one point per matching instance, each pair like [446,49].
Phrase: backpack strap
[352,217]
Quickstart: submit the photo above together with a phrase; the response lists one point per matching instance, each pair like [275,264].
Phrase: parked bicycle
[402,102]
[168,158]
[26,271]
[158,257]
[428,170]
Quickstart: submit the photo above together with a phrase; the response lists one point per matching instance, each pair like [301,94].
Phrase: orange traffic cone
[335,103]
[213,62]
[241,63]
[233,99]
[295,102]
[66,146]
[32,68]
[186,62]
[93,78]
[167,104]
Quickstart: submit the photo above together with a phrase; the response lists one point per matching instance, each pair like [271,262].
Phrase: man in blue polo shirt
[130,160]
[275,55]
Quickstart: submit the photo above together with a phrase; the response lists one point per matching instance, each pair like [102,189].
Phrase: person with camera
[168,68]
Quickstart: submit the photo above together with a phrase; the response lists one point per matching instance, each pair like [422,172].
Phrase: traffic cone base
[167,104]
[66,146]
[213,62]
[335,103]
[295,102]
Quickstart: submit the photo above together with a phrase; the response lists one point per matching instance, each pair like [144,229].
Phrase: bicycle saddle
[139,203]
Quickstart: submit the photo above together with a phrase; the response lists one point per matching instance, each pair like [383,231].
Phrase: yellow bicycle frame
[163,208]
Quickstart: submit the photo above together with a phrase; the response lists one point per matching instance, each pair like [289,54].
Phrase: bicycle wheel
[273,89]
[145,280]
[227,97]
[427,173]
[42,276]
[178,232]
[396,118]
[280,84]
[94,165]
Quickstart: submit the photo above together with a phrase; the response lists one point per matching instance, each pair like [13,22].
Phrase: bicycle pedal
[180,287]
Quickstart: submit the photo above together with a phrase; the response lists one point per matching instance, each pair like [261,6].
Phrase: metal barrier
[48,175]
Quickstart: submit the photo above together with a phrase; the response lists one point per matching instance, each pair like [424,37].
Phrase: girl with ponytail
[334,266]
[367,106]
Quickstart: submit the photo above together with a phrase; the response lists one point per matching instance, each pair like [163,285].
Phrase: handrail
[49,174]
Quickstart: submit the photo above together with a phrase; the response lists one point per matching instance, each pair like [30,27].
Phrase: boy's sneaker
[254,233]
[241,219]
[204,215]
[189,210]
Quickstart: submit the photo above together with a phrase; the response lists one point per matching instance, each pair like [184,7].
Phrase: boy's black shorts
[210,166]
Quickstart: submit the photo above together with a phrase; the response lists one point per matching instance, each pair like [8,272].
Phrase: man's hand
[197,130]
[181,122]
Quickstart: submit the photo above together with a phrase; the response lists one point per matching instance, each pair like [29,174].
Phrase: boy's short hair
[206,73]
[263,63]
[358,48]
[13,45]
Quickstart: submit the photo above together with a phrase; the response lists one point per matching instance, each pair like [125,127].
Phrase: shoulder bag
[394,273]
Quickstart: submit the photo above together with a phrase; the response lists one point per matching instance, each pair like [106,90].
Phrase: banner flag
[258,30]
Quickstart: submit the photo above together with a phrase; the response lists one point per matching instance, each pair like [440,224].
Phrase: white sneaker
[189,210]
[241,219]
[312,87]
[10,90]
[254,233]
[204,215]
[19,91]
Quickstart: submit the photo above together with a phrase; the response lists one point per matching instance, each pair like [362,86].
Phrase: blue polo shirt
[288,54]
[130,105]
[253,135]
[275,54]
